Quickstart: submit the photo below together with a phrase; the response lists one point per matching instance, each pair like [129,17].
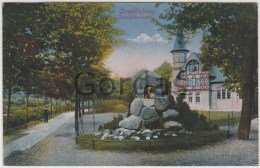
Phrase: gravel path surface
[59,149]
[36,134]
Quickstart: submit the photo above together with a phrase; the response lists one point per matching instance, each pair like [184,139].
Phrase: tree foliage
[164,70]
[46,44]
[55,41]
[229,42]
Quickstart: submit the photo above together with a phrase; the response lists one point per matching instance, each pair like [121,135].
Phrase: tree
[164,70]
[83,34]
[229,42]
[70,38]
[17,45]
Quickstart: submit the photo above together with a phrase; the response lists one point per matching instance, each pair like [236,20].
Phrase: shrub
[191,120]
[111,105]
[111,125]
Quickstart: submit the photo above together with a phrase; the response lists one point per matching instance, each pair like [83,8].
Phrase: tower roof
[179,44]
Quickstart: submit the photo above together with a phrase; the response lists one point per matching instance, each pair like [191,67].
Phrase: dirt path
[35,134]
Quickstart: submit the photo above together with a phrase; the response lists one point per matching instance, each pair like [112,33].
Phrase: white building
[204,89]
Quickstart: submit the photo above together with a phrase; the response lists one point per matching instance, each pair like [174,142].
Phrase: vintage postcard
[130,83]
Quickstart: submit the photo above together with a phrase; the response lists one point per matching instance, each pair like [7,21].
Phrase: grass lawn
[181,142]
[221,117]
[219,114]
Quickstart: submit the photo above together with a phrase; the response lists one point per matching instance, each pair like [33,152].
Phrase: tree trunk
[82,106]
[79,107]
[65,106]
[56,104]
[76,115]
[60,106]
[88,106]
[26,111]
[248,93]
[51,106]
[38,104]
[8,110]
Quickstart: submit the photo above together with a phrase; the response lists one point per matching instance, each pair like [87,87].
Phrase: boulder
[135,138]
[121,131]
[161,103]
[170,124]
[148,102]
[131,122]
[106,132]
[148,112]
[120,138]
[147,131]
[174,135]
[136,106]
[148,138]
[170,113]
[155,137]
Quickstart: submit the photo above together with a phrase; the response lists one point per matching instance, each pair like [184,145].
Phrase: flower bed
[163,142]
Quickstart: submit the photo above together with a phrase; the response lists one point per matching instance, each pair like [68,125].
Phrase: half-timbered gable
[204,89]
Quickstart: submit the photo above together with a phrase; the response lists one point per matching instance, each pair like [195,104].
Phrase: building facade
[204,89]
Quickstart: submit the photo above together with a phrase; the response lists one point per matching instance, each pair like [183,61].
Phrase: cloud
[144,39]
[158,38]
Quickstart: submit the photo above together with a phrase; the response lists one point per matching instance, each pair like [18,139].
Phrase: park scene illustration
[130,84]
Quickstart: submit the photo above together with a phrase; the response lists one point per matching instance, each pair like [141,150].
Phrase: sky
[146,48]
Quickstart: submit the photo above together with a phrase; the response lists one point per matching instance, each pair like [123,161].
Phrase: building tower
[179,53]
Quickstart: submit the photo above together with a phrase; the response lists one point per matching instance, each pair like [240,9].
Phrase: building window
[192,67]
[197,97]
[182,75]
[190,82]
[218,94]
[190,97]
[223,93]
[197,82]
[182,58]
[228,94]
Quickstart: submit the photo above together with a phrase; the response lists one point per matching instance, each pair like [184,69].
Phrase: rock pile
[146,134]
[146,113]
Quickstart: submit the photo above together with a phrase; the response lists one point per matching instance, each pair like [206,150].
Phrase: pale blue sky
[147,48]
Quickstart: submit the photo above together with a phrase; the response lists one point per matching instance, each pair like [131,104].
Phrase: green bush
[111,125]
[191,120]
[111,105]
[17,117]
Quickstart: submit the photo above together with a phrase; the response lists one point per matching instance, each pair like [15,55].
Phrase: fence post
[149,144]
[232,118]
[228,123]
[93,143]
